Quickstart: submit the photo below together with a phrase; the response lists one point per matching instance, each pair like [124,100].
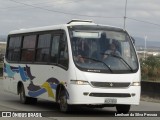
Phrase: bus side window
[28,48]
[63,52]
[14,47]
[43,48]
[54,48]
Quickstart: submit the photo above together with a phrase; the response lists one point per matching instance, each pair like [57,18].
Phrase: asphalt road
[10,102]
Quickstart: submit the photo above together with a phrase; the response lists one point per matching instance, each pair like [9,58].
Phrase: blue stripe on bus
[53,86]
[41,91]
[36,93]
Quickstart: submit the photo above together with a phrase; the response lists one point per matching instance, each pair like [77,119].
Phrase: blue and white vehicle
[78,63]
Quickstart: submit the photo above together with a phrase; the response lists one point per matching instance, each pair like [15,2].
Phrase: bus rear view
[106,67]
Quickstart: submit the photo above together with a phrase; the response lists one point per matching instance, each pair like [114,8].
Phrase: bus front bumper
[87,95]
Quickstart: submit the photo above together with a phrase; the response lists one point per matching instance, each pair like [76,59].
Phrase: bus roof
[62,26]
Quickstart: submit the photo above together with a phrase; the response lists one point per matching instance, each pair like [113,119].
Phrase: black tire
[23,98]
[123,108]
[64,107]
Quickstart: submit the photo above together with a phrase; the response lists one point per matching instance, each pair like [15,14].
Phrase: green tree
[150,68]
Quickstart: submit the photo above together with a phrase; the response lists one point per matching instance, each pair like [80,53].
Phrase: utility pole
[125,13]
[145,47]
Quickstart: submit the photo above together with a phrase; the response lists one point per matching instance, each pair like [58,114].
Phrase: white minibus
[78,63]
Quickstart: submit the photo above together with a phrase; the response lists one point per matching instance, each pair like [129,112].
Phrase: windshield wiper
[98,61]
[119,58]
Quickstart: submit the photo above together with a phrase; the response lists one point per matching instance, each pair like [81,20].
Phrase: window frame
[8,49]
[60,32]
[63,36]
[55,34]
[36,48]
[28,49]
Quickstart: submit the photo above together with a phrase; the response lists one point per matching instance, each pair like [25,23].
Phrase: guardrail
[150,89]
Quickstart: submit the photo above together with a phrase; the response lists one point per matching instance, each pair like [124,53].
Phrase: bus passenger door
[59,58]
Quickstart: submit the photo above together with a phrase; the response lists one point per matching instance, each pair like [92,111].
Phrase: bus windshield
[102,49]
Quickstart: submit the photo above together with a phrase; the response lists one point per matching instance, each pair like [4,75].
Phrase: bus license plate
[110,101]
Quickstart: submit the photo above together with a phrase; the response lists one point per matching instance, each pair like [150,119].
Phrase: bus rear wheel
[123,108]
[23,98]
[64,107]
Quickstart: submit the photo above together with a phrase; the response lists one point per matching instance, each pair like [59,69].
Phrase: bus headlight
[136,84]
[79,82]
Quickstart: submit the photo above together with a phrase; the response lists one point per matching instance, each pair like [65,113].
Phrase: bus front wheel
[64,107]
[123,108]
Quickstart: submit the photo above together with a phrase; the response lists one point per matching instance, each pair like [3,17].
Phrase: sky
[143,16]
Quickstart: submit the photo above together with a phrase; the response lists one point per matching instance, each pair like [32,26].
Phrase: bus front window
[102,50]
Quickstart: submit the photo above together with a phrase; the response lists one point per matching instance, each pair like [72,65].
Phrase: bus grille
[110,84]
[110,94]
